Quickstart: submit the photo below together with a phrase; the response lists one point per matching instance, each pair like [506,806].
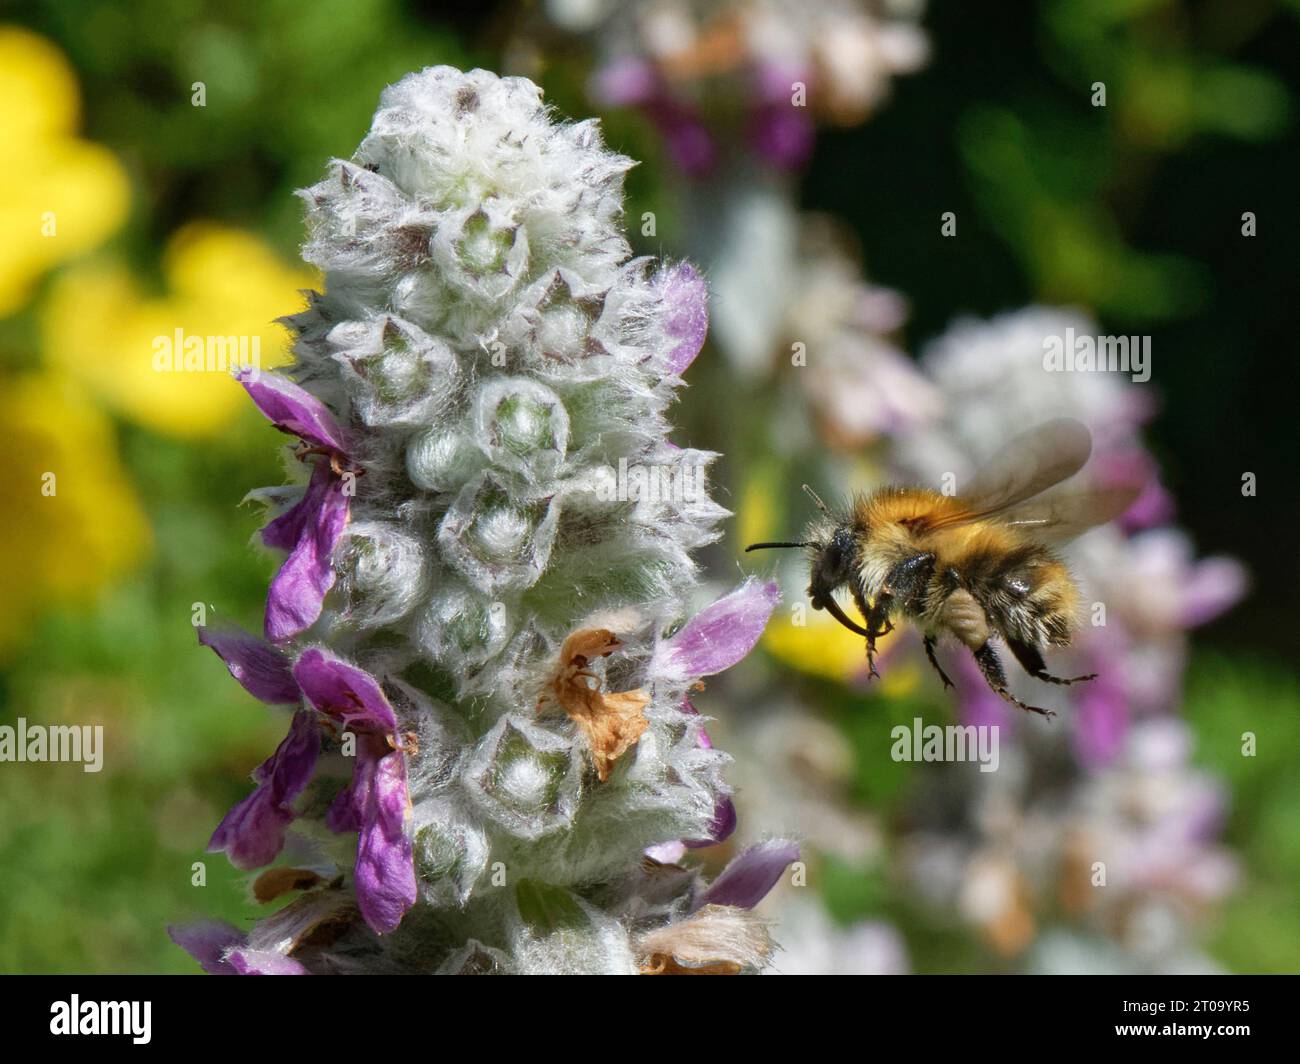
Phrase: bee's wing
[1025,467]
[1061,515]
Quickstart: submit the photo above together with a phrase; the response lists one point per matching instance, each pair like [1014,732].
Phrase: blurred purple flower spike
[1215,585]
[1102,715]
[783,137]
[634,82]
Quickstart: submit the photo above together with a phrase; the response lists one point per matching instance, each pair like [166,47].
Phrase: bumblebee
[975,566]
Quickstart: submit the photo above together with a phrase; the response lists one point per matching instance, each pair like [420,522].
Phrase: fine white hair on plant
[489,658]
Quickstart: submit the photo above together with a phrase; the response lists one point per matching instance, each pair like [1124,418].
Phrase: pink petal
[748,877]
[344,692]
[293,409]
[260,668]
[316,524]
[720,635]
[686,313]
[263,962]
[252,833]
[1215,585]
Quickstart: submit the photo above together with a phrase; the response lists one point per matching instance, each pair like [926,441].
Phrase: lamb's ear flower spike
[486,631]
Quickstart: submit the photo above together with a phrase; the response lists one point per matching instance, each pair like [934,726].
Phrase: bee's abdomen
[1025,591]
[963,616]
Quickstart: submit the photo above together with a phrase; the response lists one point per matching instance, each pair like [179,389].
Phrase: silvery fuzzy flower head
[483,623]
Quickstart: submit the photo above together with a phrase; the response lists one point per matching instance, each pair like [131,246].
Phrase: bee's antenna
[817,499]
[761,546]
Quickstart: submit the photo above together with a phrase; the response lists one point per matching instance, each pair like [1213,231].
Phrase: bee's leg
[876,615]
[1031,660]
[987,659]
[929,653]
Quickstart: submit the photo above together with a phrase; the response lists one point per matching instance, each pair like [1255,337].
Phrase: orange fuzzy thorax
[894,524]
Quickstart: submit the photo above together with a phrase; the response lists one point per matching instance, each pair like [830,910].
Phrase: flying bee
[973,566]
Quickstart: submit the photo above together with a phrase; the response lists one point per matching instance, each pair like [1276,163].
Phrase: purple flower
[252,833]
[262,670]
[719,635]
[715,639]
[724,811]
[750,875]
[375,803]
[721,827]
[686,320]
[208,942]
[782,135]
[222,949]
[310,530]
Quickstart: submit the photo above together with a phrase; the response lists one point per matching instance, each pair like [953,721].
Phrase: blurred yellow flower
[72,521]
[59,196]
[819,645]
[225,288]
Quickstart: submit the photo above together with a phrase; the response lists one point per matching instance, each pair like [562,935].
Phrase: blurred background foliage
[171,215]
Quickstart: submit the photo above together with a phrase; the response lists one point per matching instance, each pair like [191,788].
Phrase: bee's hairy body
[968,580]
[973,567]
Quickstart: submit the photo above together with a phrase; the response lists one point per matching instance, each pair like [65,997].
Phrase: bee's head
[832,547]
[832,563]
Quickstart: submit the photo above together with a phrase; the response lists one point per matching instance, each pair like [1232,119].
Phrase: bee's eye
[836,560]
